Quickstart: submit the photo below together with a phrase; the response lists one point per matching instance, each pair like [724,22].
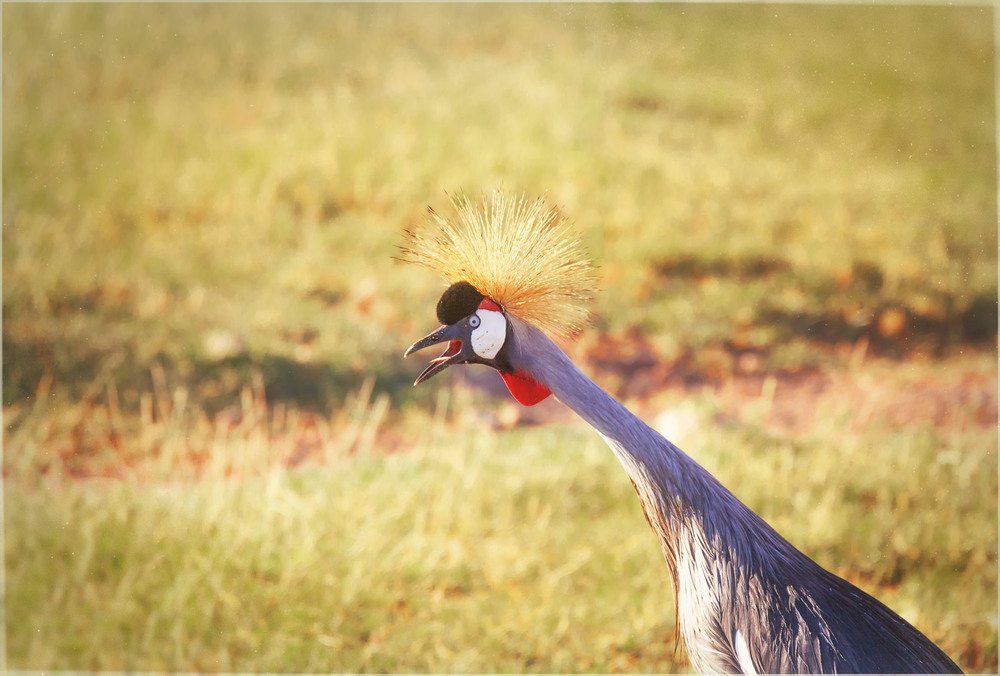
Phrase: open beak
[459,350]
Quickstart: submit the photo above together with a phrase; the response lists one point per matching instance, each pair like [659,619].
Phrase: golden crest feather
[519,253]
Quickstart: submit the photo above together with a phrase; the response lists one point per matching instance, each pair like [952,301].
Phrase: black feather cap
[458,301]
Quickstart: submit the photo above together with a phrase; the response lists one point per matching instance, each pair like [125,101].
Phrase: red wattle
[487,304]
[525,389]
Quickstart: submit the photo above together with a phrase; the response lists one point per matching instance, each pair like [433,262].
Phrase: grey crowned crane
[746,599]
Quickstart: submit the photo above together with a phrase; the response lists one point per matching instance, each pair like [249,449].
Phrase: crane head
[475,330]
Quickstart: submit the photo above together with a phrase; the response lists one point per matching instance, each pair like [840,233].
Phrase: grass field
[213,457]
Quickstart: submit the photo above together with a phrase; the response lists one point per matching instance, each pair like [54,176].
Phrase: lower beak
[454,354]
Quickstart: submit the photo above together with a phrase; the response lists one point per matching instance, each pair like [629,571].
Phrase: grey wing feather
[830,626]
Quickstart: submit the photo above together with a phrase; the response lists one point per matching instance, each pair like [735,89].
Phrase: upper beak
[459,350]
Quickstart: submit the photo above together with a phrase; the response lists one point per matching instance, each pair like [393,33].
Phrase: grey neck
[647,457]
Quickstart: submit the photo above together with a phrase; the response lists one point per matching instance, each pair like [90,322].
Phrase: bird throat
[525,389]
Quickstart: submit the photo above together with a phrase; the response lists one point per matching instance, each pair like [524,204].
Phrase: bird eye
[474,321]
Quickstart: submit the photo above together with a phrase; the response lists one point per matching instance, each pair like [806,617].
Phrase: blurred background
[213,456]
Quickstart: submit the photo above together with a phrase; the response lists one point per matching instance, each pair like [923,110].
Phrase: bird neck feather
[645,454]
[714,545]
[676,492]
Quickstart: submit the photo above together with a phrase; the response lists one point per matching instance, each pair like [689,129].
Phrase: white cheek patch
[488,338]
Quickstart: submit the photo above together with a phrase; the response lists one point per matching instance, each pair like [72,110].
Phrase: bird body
[746,600]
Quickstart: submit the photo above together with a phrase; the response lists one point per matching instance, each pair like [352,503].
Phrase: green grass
[200,208]
[450,557]
[157,170]
[438,559]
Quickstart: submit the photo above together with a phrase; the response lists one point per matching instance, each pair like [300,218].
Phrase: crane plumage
[518,252]
[742,590]
[746,599]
